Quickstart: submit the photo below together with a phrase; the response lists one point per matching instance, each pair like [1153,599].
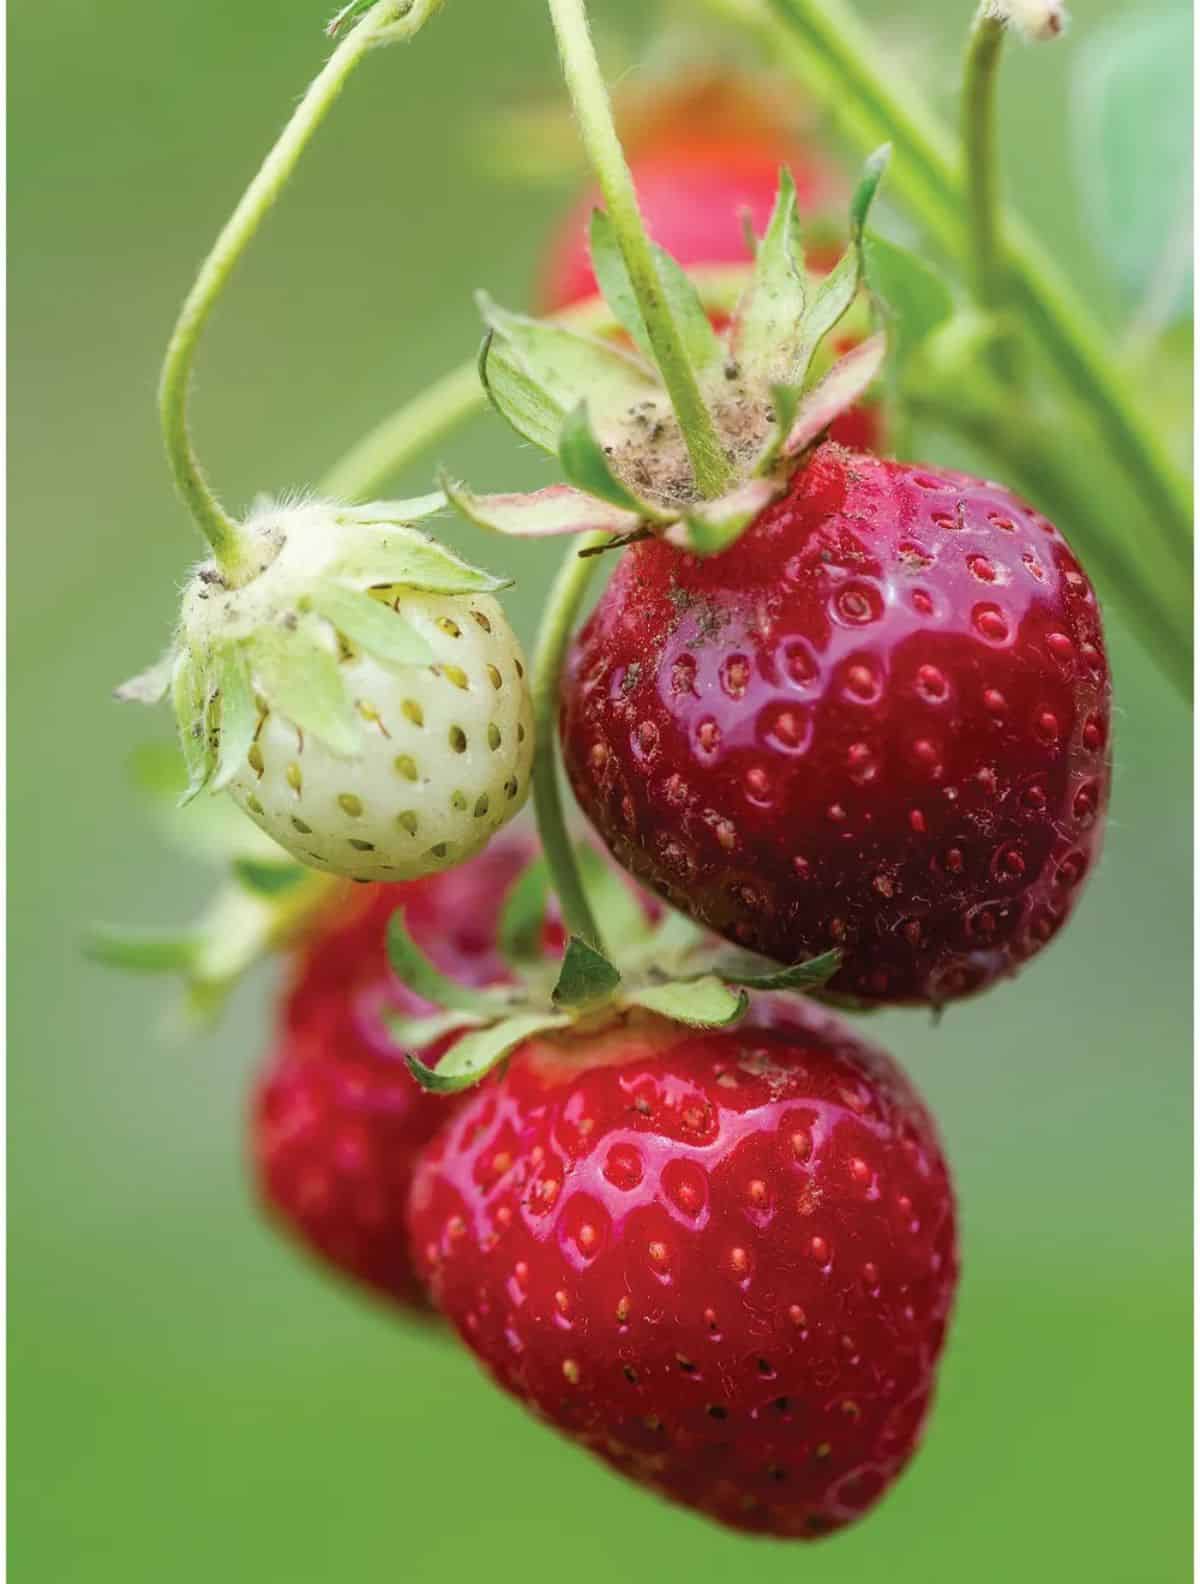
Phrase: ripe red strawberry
[707,159]
[722,1261]
[880,721]
[337,1119]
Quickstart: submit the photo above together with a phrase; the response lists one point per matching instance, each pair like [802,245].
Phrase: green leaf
[612,277]
[300,678]
[189,691]
[149,686]
[751,972]
[558,509]
[916,298]
[570,367]
[475,1054]
[585,978]
[387,555]
[1132,104]
[523,916]
[613,900]
[702,1003]
[268,879]
[518,399]
[772,307]
[410,964]
[238,714]
[846,382]
[140,951]
[372,625]
[586,467]
[837,290]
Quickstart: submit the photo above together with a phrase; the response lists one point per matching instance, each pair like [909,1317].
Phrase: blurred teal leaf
[1132,93]
[915,296]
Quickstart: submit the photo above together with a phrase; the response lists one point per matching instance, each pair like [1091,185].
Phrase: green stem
[593,112]
[223,533]
[562,606]
[826,47]
[984,47]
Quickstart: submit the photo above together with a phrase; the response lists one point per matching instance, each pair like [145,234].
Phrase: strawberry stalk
[825,46]
[386,21]
[989,279]
[593,113]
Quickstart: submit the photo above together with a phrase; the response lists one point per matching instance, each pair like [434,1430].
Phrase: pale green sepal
[766,319]
[397,513]
[586,977]
[612,899]
[192,701]
[372,625]
[475,1054]
[586,467]
[415,1033]
[704,348]
[754,974]
[149,686]
[571,367]
[523,916]
[612,277]
[238,714]
[301,679]
[389,555]
[709,527]
[702,1003]
[558,509]
[785,404]
[518,399]
[410,965]
[846,382]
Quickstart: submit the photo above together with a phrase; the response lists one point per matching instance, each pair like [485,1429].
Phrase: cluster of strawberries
[724,1259]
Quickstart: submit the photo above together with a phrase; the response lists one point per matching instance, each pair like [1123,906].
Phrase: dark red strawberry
[723,1262]
[879,722]
[708,159]
[337,1118]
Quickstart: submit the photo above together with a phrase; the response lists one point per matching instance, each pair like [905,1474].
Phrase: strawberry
[706,164]
[362,696]
[722,1261]
[337,1120]
[879,722]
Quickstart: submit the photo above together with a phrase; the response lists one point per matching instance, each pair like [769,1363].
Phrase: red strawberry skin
[722,1261]
[879,722]
[337,1120]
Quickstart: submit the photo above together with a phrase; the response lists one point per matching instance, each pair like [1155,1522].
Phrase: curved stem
[984,47]
[826,47]
[562,605]
[222,532]
[594,115]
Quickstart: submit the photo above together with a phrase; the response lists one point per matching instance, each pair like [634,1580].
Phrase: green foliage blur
[192,1402]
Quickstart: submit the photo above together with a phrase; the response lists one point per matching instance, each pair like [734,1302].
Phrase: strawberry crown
[669,968]
[324,589]
[604,411]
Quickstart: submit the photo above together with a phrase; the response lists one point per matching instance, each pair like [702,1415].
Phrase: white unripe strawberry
[362,696]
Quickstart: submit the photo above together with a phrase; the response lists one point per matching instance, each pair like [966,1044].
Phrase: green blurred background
[190,1401]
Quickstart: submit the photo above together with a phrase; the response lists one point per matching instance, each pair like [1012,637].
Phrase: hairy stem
[594,115]
[562,606]
[221,530]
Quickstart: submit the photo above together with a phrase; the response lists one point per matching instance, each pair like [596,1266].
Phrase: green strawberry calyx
[330,580]
[670,968]
[604,413]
